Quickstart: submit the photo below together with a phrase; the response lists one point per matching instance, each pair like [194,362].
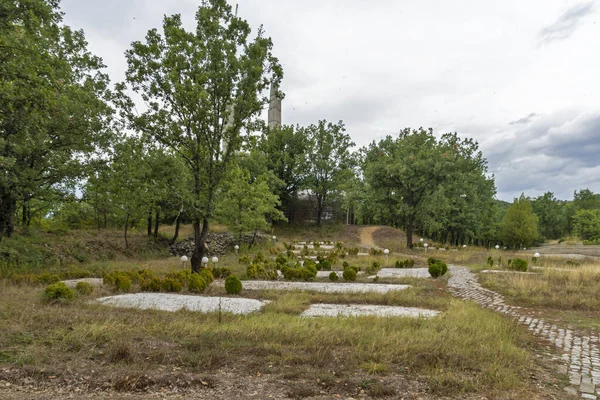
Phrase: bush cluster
[518,265]
[437,267]
[375,252]
[408,263]
[308,272]
[233,285]
[58,292]
[220,273]
[84,288]
[196,284]
[349,274]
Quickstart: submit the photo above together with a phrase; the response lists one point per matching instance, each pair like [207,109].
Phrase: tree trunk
[177,222]
[253,238]
[8,205]
[156,223]
[126,227]
[409,233]
[150,223]
[199,244]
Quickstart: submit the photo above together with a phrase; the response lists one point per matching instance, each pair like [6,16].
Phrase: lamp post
[464,246]
[387,253]
[205,261]
[497,247]
[237,248]
[274,239]
[184,260]
[215,260]
[425,246]
[537,255]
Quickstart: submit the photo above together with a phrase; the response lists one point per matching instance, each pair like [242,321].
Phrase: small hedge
[349,274]
[333,276]
[437,267]
[408,263]
[196,284]
[518,265]
[58,292]
[171,285]
[233,285]
[84,288]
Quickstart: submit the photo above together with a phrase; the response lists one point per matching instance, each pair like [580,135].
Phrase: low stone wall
[217,243]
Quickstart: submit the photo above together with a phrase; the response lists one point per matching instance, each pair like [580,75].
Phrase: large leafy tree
[552,216]
[586,224]
[53,106]
[328,163]
[202,89]
[520,226]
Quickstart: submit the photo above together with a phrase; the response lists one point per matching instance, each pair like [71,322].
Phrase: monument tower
[274,109]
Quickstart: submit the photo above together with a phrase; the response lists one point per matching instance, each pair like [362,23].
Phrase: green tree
[248,206]
[327,164]
[520,226]
[586,224]
[53,106]
[552,216]
[203,89]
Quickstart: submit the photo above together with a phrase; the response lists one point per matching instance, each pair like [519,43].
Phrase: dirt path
[366,236]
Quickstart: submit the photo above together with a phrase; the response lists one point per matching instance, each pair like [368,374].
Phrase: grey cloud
[566,24]
[524,120]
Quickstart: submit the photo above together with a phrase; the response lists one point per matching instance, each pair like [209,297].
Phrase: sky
[520,77]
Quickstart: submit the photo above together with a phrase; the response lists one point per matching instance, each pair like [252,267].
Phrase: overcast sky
[521,77]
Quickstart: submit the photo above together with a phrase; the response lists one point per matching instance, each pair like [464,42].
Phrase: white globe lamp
[425,246]
[205,261]
[237,248]
[387,253]
[497,247]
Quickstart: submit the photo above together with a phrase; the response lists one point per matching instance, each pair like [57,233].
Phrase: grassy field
[466,353]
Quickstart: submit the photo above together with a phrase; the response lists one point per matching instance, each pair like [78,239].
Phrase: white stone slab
[326,287]
[340,274]
[92,281]
[176,302]
[356,310]
[402,273]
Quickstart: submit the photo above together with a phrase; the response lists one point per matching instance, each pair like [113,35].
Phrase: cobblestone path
[580,353]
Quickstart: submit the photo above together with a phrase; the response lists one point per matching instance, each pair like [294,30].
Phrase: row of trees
[193,148]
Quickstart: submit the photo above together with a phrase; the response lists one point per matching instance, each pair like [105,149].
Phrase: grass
[459,356]
[574,289]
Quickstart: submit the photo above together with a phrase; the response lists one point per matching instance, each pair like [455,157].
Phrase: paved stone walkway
[580,353]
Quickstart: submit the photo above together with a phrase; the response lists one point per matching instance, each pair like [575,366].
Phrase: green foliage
[281,260]
[244,260]
[328,162]
[518,265]
[122,282]
[324,265]
[490,261]
[520,224]
[552,216]
[345,264]
[437,267]
[84,288]
[349,274]
[196,284]
[48,278]
[333,276]
[586,224]
[203,89]
[595,242]
[171,285]
[58,292]
[221,273]
[207,275]
[149,282]
[233,285]
[407,263]
[180,276]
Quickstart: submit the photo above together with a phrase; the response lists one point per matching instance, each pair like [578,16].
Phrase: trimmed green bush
[181,276]
[233,285]
[349,274]
[324,265]
[281,260]
[122,282]
[244,260]
[490,262]
[58,292]
[84,288]
[150,284]
[196,284]
[207,275]
[345,264]
[519,265]
[171,285]
[437,267]
[220,273]
[47,278]
[333,276]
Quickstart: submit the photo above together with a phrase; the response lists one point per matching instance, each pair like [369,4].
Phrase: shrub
[400,264]
[233,285]
[122,282]
[244,260]
[255,271]
[437,267]
[221,273]
[519,265]
[58,292]
[561,240]
[345,264]
[207,275]
[356,268]
[133,276]
[84,288]
[490,261]
[375,252]
[47,278]
[333,276]
[258,259]
[353,252]
[171,285]
[376,265]
[324,265]
[281,260]
[349,274]
[182,277]
[150,284]
[196,284]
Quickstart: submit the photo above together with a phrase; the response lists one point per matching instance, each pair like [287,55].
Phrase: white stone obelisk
[274,109]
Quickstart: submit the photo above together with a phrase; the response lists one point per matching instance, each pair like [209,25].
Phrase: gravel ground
[176,302]
[402,273]
[356,310]
[325,287]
